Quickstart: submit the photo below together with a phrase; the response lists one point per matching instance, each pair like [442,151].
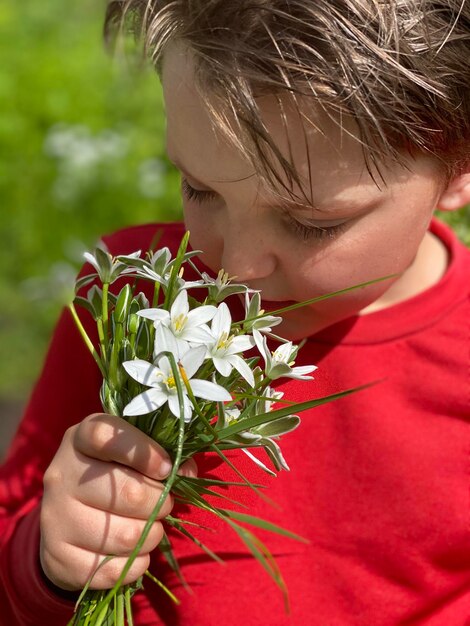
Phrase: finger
[120,490]
[188,469]
[75,566]
[106,533]
[111,438]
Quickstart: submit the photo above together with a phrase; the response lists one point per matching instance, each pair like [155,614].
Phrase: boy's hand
[99,491]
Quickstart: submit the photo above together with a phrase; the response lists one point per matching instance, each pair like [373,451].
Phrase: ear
[457,193]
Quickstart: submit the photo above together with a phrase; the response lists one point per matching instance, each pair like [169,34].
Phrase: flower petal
[209,391]
[223,366]
[262,346]
[201,315]
[174,406]
[198,334]
[240,344]
[221,321]
[156,315]
[192,360]
[91,260]
[165,341]
[242,368]
[148,401]
[299,372]
[143,372]
[283,352]
[180,305]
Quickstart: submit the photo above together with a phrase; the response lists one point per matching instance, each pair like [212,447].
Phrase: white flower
[223,348]
[164,279]
[271,396]
[107,267]
[185,325]
[253,312]
[279,363]
[163,387]
[221,287]
[158,269]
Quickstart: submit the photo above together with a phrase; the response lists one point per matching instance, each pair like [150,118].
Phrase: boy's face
[353,231]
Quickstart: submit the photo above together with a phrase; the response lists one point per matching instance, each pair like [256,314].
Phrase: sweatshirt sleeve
[66,392]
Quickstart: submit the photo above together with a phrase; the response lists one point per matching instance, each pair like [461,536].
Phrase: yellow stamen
[224,341]
[184,376]
[180,322]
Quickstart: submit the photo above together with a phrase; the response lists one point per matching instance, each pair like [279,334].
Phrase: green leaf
[104,261]
[261,523]
[84,281]
[264,418]
[165,548]
[264,557]
[85,304]
[279,426]
[207,482]
[190,492]
[123,302]
[95,298]
[196,541]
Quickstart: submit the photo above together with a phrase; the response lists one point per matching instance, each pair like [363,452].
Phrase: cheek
[204,236]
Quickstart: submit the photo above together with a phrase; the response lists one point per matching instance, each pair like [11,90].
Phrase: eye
[197,195]
[317,231]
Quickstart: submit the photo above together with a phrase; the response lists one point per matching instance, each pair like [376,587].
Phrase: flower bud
[122,305]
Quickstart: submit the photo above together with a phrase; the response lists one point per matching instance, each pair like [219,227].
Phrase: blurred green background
[81,154]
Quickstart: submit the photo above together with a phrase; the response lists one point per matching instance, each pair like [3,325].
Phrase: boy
[315,141]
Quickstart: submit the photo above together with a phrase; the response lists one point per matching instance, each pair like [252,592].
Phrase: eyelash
[196,194]
[302,230]
[318,232]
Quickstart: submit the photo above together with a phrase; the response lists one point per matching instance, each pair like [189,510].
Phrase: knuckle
[134,495]
[128,535]
[96,433]
[53,477]
[112,570]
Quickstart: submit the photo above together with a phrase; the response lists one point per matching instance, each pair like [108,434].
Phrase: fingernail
[165,468]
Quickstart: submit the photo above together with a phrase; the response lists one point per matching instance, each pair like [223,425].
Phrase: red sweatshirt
[379,481]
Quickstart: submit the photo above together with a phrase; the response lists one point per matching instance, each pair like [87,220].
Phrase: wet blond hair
[400,68]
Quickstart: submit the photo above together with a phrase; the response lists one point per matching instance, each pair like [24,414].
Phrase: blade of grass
[264,418]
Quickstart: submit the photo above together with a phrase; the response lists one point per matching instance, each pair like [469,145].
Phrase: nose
[247,252]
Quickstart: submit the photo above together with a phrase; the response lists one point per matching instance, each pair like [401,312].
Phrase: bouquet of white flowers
[181,370]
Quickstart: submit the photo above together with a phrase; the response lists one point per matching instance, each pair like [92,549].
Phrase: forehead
[323,147]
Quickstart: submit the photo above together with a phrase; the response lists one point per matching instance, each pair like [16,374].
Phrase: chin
[296,330]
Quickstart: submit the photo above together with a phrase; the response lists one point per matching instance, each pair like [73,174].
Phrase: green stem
[127,598]
[104,306]
[104,605]
[115,349]
[175,270]
[162,587]
[156,293]
[87,339]
[298,305]
[120,609]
